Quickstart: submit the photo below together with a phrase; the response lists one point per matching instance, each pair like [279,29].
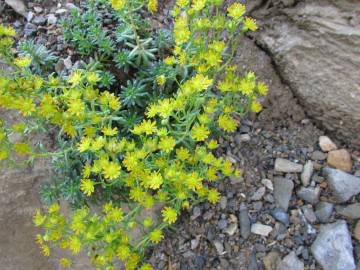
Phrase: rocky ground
[296,205]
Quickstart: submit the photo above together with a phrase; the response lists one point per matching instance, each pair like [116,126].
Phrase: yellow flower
[38,218]
[198,5]
[7,31]
[146,266]
[167,144]
[199,132]
[118,4]
[155,236]
[75,77]
[92,77]
[123,252]
[108,131]
[87,186]
[262,88]
[22,148]
[256,106]
[161,79]
[213,196]
[111,170]
[212,144]
[84,144]
[148,222]
[23,61]
[182,3]
[152,6]
[250,24]
[74,244]
[182,154]
[236,10]
[64,262]
[169,215]
[181,30]
[155,180]
[170,60]
[227,123]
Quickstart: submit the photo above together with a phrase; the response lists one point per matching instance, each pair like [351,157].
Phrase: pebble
[291,261]
[280,215]
[340,159]
[307,173]
[357,231]
[309,213]
[268,183]
[272,260]
[219,247]
[240,138]
[30,16]
[38,9]
[223,202]
[351,211]
[259,193]
[343,185]
[39,20]
[318,155]
[282,192]
[323,211]
[51,19]
[222,224]
[71,6]
[326,144]
[287,166]
[61,11]
[195,243]
[244,221]
[261,229]
[231,229]
[309,194]
[332,248]
[30,29]
[196,213]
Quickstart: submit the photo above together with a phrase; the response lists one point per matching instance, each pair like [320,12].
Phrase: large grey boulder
[316,46]
[333,249]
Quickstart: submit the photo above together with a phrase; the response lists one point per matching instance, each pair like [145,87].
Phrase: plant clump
[129,144]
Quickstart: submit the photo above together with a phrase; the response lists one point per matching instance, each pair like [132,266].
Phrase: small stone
[223,202]
[332,248]
[18,6]
[219,247]
[71,6]
[240,138]
[309,213]
[195,243]
[244,221]
[38,9]
[30,29]
[280,215]
[351,211]
[357,231]
[282,192]
[309,194]
[307,173]
[231,229]
[340,159]
[323,211]
[222,224]
[258,194]
[61,11]
[291,261]
[287,166]
[318,155]
[272,260]
[68,62]
[326,144]
[39,20]
[196,213]
[51,19]
[268,183]
[343,185]
[29,16]
[261,229]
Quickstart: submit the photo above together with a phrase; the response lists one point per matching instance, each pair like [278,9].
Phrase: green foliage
[138,126]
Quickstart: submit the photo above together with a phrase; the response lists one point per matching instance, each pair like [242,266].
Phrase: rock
[71,6]
[219,247]
[343,185]
[267,183]
[287,166]
[357,231]
[196,213]
[30,29]
[332,248]
[39,20]
[309,213]
[29,16]
[318,155]
[282,192]
[18,5]
[351,211]
[260,229]
[223,202]
[280,215]
[258,194]
[231,229]
[272,260]
[61,11]
[297,35]
[222,224]
[340,159]
[240,138]
[244,221]
[309,194]
[291,261]
[38,9]
[326,144]
[323,211]
[307,173]
[51,19]
[194,243]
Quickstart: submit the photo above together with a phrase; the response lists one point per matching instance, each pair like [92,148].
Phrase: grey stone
[268,183]
[343,185]
[231,229]
[309,213]
[309,194]
[51,19]
[244,221]
[351,211]
[30,29]
[219,247]
[280,215]
[332,248]
[223,202]
[39,20]
[240,138]
[282,192]
[323,211]
[17,5]
[326,144]
[291,261]
[38,9]
[298,38]
[318,155]
[259,193]
[287,166]
[261,229]
[307,173]
[196,213]
[272,260]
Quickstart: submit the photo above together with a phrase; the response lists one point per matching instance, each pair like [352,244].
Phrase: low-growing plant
[146,145]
